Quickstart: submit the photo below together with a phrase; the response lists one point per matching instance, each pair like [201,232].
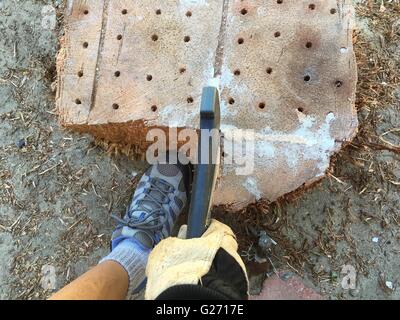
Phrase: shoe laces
[156,196]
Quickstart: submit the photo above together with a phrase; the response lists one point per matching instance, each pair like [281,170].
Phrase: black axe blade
[206,171]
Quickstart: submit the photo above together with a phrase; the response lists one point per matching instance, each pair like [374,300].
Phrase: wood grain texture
[78,59]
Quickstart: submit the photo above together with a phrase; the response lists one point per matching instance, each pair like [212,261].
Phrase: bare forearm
[106,281]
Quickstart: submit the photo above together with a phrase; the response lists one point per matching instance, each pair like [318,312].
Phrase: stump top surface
[285,69]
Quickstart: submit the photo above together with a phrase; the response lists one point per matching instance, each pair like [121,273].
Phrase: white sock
[133,259]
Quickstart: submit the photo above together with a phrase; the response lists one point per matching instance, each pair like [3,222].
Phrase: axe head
[210,110]
[206,172]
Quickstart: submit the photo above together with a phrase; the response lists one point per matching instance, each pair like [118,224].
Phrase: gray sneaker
[160,197]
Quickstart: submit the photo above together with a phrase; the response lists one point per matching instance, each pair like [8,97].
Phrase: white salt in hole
[330,116]
[344,50]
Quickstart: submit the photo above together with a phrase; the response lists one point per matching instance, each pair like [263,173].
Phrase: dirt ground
[58,189]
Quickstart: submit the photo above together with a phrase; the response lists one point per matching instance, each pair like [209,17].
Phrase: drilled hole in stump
[300,110]
[154,37]
[261,105]
[124,11]
[338,83]
[119,37]
[188,14]
[154,108]
[269,70]
[279,1]
[231,101]
[190,100]
[158,11]
[115,106]
[308,45]
[277,34]
[307,78]
[86,12]
[237,73]
[85,45]
[333,11]
[80,74]
[243,11]
[149,77]
[312,6]
[182,70]
[117,73]
[78,101]
[240,40]
[186,39]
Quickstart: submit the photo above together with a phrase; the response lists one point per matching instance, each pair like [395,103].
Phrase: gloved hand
[207,267]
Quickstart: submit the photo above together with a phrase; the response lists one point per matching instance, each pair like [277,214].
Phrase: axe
[206,170]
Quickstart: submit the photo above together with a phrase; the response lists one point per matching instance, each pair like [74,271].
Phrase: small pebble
[354,292]
[21,143]
[265,242]
[318,268]
[286,276]
[259,259]
[389,284]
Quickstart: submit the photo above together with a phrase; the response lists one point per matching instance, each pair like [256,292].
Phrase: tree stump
[285,69]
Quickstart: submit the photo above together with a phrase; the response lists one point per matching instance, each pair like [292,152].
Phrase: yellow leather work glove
[179,268]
